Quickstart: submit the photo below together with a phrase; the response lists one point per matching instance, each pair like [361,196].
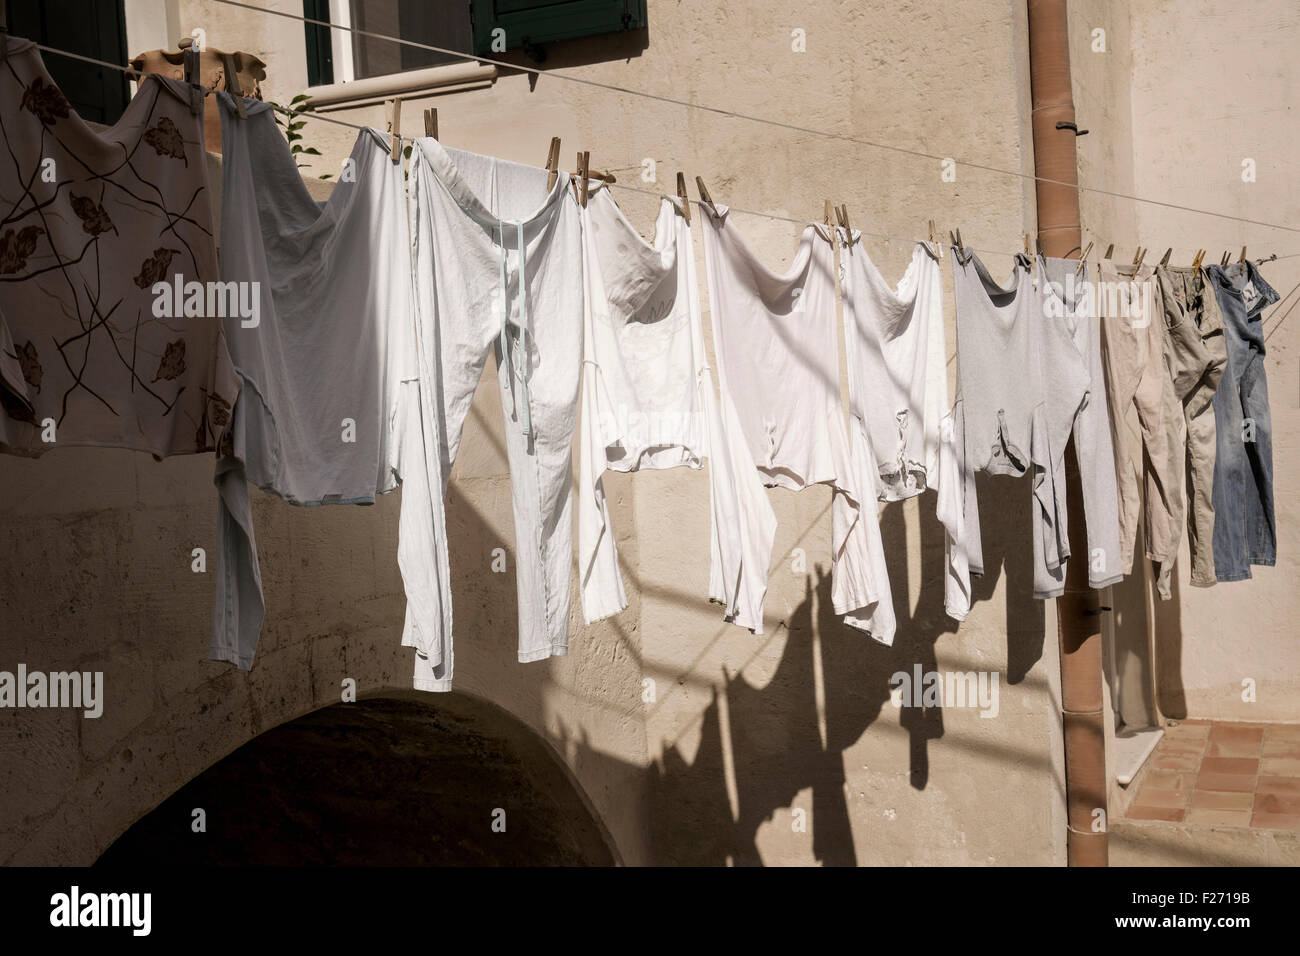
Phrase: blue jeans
[1244,529]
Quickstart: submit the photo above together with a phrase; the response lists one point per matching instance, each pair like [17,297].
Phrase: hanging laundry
[1068,298]
[1245,530]
[898,384]
[1195,357]
[498,268]
[109,333]
[898,375]
[648,403]
[774,337]
[1020,383]
[1144,414]
[319,420]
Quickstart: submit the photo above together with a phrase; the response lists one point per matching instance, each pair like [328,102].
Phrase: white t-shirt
[898,377]
[775,340]
[898,391]
[648,403]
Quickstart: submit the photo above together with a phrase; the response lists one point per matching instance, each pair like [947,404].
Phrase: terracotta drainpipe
[1078,619]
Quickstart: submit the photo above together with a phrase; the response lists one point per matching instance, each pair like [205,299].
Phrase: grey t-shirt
[1019,385]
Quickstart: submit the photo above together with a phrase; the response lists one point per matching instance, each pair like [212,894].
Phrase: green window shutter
[92,28]
[530,23]
[320,48]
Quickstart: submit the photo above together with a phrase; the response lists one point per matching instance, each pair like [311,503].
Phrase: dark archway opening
[380,782]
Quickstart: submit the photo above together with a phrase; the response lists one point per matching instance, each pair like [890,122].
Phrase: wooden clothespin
[1242,260]
[843,215]
[1196,262]
[394,110]
[190,59]
[584,161]
[232,84]
[1138,254]
[431,123]
[1226,256]
[553,163]
[1137,263]
[1027,244]
[938,248]
[1083,258]
[1164,260]
[704,192]
[960,244]
[681,194]
[1110,251]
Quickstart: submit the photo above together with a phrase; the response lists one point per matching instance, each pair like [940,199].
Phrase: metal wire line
[793,127]
[410,139]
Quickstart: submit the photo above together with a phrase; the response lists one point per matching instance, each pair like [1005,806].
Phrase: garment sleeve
[743,524]
[422,540]
[598,573]
[859,575]
[1095,449]
[422,552]
[602,583]
[950,509]
[239,608]
[1048,515]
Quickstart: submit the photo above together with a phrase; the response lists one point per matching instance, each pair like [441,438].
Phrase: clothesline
[609,331]
[793,127]
[410,139]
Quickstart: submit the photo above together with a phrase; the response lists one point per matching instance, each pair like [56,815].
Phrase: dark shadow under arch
[390,781]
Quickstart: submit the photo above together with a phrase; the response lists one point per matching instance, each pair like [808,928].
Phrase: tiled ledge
[1223,774]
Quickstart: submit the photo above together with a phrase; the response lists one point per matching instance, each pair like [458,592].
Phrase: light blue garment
[1245,531]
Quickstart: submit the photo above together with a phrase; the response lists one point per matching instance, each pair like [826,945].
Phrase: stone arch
[397,778]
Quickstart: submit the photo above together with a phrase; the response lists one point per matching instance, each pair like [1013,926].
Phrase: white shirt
[775,340]
[898,378]
[648,403]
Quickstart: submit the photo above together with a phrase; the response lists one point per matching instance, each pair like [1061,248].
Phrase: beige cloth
[212,74]
[1145,414]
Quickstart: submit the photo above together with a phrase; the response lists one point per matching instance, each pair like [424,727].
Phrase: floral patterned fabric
[90,354]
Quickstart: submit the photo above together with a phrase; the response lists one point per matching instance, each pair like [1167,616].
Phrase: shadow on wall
[396,781]
[384,781]
[415,779]
[775,741]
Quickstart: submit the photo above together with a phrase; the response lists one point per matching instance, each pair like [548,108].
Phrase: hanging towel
[774,337]
[108,329]
[498,268]
[325,367]
[648,403]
